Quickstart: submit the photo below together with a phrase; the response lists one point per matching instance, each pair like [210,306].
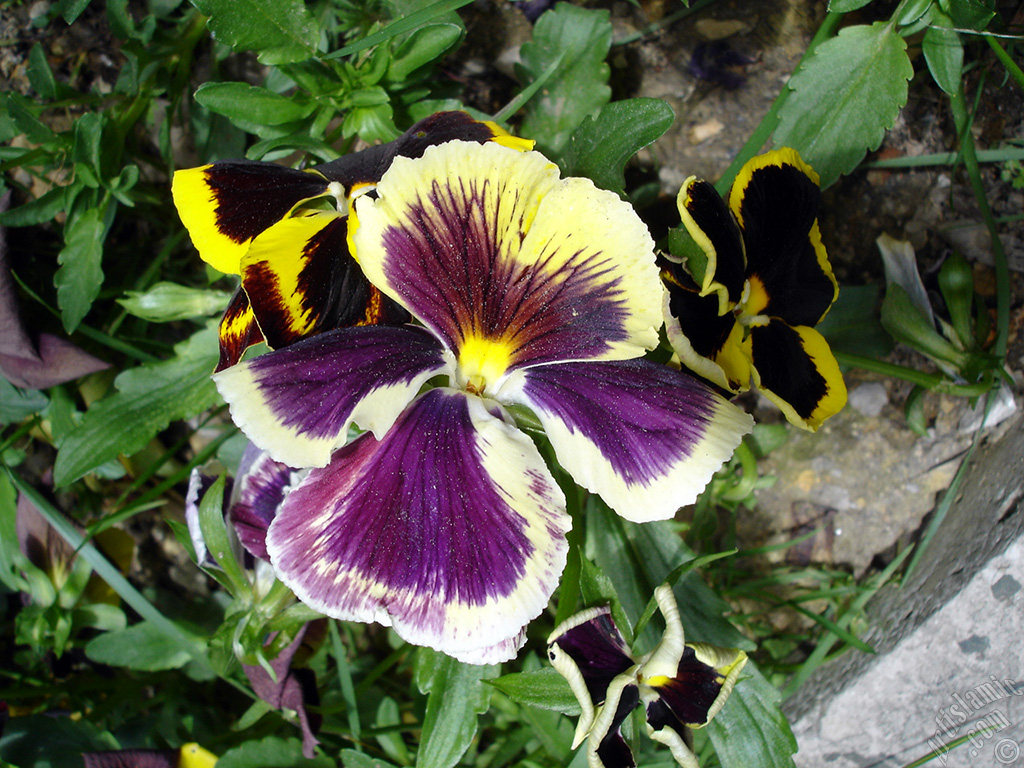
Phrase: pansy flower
[284,232]
[443,520]
[680,685]
[754,280]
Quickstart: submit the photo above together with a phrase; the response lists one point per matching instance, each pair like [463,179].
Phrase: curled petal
[709,222]
[645,437]
[606,747]
[709,344]
[297,403]
[589,652]
[225,205]
[796,370]
[301,280]
[448,528]
[508,264]
[238,330]
[776,199]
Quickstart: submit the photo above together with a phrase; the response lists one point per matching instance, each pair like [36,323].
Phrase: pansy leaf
[543,688]
[17,404]
[166,301]
[280,31]
[456,694]
[751,728]
[148,399]
[142,646]
[421,47]
[944,52]
[80,275]
[272,752]
[601,147]
[252,104]
[844,98]
[579,87]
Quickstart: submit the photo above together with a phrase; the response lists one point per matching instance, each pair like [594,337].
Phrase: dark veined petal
[606,747]
[776,198]
[189,756]
[297,403]
[238,330]
[366,167]
[708,220]
[449,528]
[301,280]
[796,370]
[225,205]
[645,437]
[711,345]
[509,265]
[258,491]
[589,652]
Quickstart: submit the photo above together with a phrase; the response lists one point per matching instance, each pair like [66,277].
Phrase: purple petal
[297,403]
[644,436]
[449,527]
[259,491]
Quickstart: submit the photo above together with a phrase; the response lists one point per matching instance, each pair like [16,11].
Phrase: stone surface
[948,659]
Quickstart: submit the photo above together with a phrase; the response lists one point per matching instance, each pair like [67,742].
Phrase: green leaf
[944,53]
[751,729]
[17,404]
[251,104]
[968,14]
[148,399]
[281,31]
[215,536]
[956,281]
[579,86]
[142,646]
[352,759]
[844,99]
[40,76]
[600,148]
[22,112]
[423,46]
[456,695]
[165,302]
[544,689]
[845,6]
[43,208]
[271,752]
[906,324]
[851,325]
[80,276]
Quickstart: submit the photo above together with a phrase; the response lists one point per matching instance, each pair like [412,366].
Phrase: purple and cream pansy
[681,686]
[745,289]
[284,232]
[442,519]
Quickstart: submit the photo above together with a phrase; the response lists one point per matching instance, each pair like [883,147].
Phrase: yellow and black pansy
[749,281]
[284,231]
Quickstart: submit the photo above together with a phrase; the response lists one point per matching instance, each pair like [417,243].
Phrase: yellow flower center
[482,363]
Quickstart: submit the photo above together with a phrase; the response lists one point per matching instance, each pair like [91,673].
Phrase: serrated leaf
[251,104]
[456,695]
[80,276]
[579,86]
[148,398]
[141,646]
[280,31]
[544,689]
[751,728]
[601,147]
[944,53]
[844,99]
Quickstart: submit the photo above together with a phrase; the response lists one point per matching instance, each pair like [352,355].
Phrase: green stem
[771,120]
[931,381]
[1011,66]
[672,18]
[958,103]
